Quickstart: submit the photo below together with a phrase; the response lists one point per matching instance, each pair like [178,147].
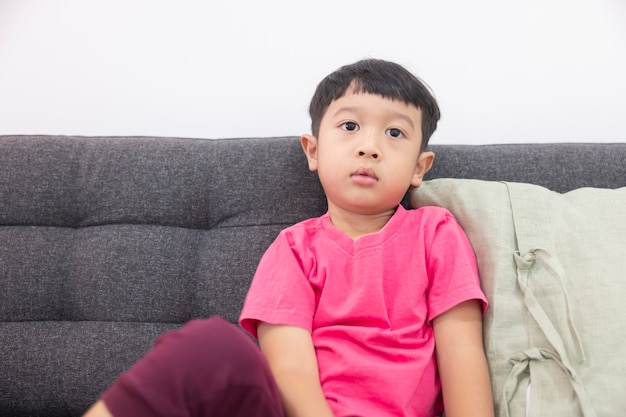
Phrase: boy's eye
[394,133]
[350,126]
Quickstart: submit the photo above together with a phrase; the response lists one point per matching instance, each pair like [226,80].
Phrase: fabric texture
[369,304]
[553,270]
[108,242]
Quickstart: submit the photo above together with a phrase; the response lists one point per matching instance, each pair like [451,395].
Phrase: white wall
[503,71]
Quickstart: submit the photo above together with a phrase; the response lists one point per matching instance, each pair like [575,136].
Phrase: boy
[369,310]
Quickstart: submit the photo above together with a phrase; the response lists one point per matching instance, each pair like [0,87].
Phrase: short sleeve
[280,292]
[452,269]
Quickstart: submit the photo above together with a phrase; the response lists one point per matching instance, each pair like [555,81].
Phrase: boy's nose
[369,147]
[369,154]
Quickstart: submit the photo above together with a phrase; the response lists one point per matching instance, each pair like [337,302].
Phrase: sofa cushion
[105,243]
[553,269]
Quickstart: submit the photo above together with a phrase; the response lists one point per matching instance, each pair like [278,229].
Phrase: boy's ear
[424,163]
[309,146]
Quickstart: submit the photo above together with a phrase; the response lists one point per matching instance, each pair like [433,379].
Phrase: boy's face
[367,153]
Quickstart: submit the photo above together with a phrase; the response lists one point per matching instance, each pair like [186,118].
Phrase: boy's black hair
[380,77]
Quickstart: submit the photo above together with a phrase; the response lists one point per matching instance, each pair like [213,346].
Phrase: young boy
[369,310]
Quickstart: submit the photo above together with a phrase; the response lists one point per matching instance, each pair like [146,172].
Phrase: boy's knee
[195,367]
[206,340]
[219,361]
[214,349]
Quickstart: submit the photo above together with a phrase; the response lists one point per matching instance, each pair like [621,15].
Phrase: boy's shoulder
[307,225]
[428,214]
[302,231]
[431,210]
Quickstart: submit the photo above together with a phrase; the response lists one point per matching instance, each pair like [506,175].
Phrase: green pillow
[553,267]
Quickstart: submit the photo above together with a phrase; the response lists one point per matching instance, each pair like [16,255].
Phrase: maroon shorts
[206,368]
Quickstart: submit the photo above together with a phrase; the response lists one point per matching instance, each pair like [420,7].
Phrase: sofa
[107,242]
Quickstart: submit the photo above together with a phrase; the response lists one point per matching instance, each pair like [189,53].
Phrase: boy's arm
[291,356]
[461,361]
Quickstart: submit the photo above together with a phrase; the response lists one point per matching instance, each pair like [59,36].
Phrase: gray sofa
[106,242]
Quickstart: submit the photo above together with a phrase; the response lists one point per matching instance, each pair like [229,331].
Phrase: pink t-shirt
[368,304]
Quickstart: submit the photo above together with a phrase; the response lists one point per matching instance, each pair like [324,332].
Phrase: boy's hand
[461,361]
[291,356]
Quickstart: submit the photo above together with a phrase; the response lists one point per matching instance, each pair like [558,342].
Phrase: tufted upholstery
[106,242]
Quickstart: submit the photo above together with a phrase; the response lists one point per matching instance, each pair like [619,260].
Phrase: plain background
[503,71]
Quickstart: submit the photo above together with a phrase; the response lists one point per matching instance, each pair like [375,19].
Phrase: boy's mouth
[365,176]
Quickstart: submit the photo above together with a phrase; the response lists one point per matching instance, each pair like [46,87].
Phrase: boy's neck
[356,225]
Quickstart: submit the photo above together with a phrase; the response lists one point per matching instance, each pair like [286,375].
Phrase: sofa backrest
[106,242]
[142,229]
[559,167]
